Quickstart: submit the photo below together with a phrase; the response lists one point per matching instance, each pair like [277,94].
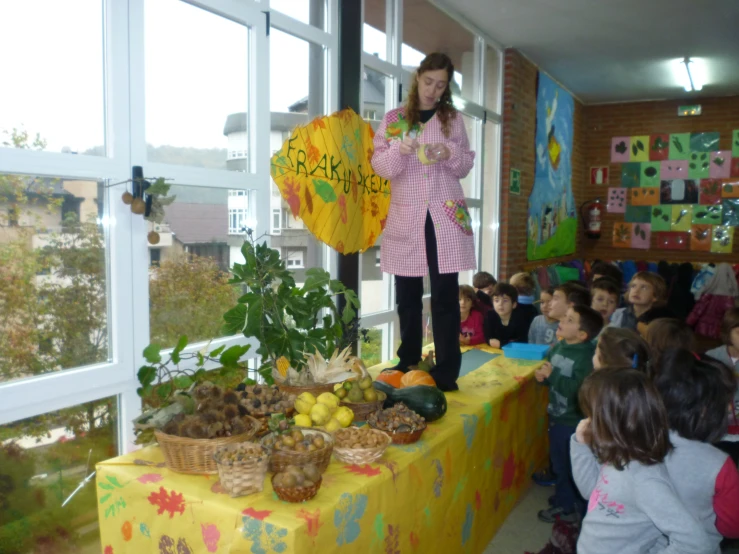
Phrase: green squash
[428,402]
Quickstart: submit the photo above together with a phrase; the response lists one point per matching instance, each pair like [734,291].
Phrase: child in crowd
[564,297]
[484,283]
[729,354]
[645,320]
[645,291]
[606,294]
[569,362]
[695,392]
[543,329]
[617,462]
[503,324]
[605,269]
[663,334]
[621,348]
[525,285]
[471,331]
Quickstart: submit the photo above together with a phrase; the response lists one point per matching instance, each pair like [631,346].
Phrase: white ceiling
[618,50]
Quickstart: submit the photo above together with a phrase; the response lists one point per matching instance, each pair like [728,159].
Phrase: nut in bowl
[242,467]
[297,483]
[403,424]
[360,445]
[299,446]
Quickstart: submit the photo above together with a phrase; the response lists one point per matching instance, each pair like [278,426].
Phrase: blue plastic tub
[523,351]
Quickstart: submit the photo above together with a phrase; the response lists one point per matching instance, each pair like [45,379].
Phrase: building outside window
[294,258]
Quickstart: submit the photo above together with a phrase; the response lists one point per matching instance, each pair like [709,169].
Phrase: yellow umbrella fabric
[323,172]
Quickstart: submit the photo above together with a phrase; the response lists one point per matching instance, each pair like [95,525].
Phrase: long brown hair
[445,109]
[466,291]
[622,348]
[628,422]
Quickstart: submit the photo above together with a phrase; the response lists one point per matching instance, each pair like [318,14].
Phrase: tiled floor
[522,531]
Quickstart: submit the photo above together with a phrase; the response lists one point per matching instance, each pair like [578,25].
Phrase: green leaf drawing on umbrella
[324,190]
[676,143]
[719,161]
[640,145]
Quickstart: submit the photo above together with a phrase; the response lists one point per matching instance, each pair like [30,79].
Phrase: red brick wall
[644,118]
[519,131]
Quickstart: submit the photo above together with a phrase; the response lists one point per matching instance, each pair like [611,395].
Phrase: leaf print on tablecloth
[379,528]
[144,529]
[439,481]
[392,540]
[312,520]
[127,531]
[347,516]
[265,538]
[365,469]
[211,536]
[467,526]
[108,550]
[261,515]
[149,478]
[415,540]
[470,426]
[174,502]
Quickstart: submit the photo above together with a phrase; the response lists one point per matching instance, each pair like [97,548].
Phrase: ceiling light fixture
[692,79]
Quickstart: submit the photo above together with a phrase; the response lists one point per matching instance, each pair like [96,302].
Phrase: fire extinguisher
[591,213]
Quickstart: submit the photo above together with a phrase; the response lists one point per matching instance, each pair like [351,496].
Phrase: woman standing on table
[423,149]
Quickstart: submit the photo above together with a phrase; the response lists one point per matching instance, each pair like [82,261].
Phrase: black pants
[444,315]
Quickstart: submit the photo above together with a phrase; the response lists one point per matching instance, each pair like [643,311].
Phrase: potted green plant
[304,337]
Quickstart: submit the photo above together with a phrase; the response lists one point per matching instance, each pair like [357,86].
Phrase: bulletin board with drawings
[680,188]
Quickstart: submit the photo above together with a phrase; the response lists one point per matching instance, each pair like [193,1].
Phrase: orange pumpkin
[417,377]
[392,377]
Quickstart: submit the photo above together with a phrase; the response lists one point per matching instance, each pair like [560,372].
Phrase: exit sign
[689,110]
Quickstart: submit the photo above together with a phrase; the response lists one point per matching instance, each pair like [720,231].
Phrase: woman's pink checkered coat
[418,188]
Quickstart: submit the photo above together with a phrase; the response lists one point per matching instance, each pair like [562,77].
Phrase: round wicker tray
[362,410]
[296,494]
[403,438]
[186,455]
[281,459]
[363,455]
[244,476]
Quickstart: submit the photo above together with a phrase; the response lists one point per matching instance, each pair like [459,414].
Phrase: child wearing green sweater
[569,362]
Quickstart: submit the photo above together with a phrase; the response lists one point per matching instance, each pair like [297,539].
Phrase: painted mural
[552,221]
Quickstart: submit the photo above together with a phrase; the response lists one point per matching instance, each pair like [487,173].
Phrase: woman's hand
[408,146]
[495,343]
[582,433]
[437,151]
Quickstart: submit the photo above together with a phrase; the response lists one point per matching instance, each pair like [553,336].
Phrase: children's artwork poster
[552,221]
[678,189]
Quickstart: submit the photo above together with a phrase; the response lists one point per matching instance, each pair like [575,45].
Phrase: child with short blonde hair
[645,290]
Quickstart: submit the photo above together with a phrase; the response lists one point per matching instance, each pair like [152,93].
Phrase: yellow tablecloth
[449,492]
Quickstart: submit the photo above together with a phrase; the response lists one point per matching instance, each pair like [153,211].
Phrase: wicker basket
[186,455]
[363,455]
[281,459]
[315,390]
[362,410]
[403,438]
[242,477]
[296,494]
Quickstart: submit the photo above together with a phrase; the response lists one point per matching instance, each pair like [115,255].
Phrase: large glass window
[52,68]
[375,90]
[195,249]
[53,275]
[197,75]
[44,461]
[374,39]
[296,97]
[493,79]
[427,29]
[312,12]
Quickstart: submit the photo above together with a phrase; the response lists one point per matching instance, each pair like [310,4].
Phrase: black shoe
[447,387]
[544,478]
